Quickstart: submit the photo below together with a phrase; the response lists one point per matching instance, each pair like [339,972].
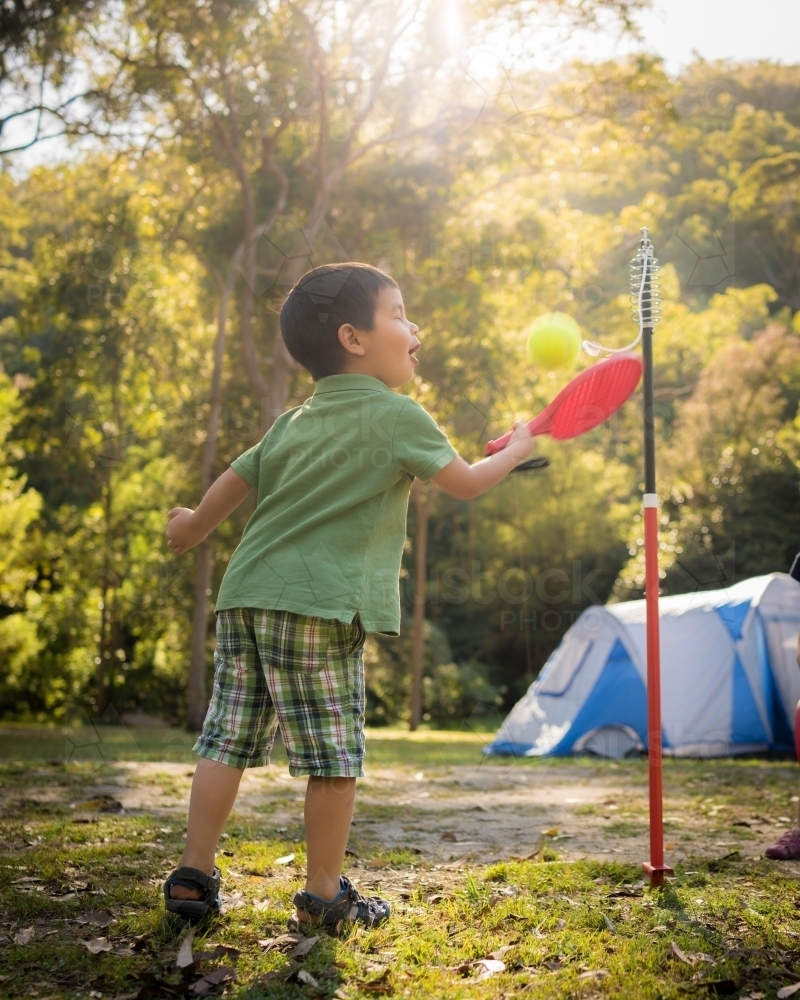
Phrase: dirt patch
[486,812]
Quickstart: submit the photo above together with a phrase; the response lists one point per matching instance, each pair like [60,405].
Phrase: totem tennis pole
[645,297]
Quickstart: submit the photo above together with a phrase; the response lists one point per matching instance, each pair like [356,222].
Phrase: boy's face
[387,350]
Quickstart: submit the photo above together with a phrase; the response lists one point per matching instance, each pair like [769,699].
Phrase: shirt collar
[342,383]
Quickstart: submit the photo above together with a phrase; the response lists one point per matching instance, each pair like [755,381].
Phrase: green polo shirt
[333,478]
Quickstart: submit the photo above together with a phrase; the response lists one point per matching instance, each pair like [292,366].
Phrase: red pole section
[656,867]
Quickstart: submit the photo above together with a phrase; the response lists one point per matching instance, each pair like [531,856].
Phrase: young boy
[317,568]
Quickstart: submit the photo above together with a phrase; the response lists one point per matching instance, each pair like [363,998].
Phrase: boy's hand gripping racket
[586,401]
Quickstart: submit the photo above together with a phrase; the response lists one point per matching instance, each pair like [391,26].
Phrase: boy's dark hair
[320,302]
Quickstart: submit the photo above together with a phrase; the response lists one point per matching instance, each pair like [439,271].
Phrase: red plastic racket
[586,401]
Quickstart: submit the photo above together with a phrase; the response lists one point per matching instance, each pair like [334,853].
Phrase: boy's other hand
[182,530]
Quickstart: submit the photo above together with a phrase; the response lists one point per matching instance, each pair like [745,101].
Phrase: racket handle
[498,444]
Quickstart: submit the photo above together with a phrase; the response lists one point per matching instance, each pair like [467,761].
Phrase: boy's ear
[351,340]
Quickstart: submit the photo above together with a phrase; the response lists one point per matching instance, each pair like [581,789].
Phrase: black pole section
[647,357]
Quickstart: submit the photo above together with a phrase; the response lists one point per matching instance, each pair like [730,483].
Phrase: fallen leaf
[550,832]
[139,942]
[233,902]
[627,891]
[25,936]
[224,974]
[128,996]
[679,953]
[296,945]
[609,923]
[449,835]
[690,958]
[185,956]
[594,974]
[499,952]
[302,947]
[102,918]
[287,859]
[659,929]
[303,977]
[435,898]
[96,945]
[561,924]
[491,966]
[670,846]
[378,863]
[788,991]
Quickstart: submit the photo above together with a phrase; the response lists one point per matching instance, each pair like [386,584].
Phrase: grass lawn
[82,914]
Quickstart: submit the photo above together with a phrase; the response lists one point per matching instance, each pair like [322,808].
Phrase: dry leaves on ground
[25,936]
[691,957]
[292,945]
[303,978]
[486,967]
[209,982]
[594,974]
[185,956]
[95,945]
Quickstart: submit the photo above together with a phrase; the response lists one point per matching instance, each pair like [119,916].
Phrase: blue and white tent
[730,682]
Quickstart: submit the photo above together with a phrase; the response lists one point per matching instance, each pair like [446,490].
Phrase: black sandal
[348,907]
[193,878]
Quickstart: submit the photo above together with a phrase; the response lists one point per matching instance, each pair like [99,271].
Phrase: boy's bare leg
[214,789]
[328,815]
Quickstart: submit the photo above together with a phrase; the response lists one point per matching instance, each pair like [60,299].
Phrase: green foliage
[107,324]
[451,691]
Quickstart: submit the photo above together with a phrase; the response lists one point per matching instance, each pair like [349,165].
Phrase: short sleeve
[419,446]
[248,464]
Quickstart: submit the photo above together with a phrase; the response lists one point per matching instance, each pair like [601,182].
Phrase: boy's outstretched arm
[188,527]
[464,481]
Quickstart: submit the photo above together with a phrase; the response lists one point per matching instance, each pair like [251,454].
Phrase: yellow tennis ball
[554,340]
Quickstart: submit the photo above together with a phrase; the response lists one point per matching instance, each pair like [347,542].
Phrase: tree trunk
[101,684]
[424,496]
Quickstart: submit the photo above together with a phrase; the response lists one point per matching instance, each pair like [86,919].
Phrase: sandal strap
[348,905]
[193,878]
[196,878]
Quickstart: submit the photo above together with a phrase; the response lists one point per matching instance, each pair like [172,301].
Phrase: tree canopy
[237,144]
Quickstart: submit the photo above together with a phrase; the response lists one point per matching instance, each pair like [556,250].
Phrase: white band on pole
[650,500]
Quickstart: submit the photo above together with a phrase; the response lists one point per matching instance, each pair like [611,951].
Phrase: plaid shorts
[306,675]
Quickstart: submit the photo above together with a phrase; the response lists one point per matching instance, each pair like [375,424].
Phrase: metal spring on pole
[645,285]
